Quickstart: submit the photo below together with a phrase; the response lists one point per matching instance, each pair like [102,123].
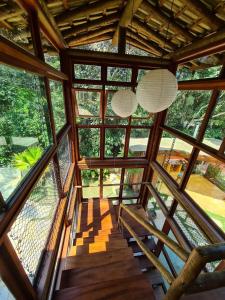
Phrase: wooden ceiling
[159,27]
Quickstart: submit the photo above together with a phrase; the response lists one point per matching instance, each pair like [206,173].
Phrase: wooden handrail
[189,280]
[166,274]
[183,254]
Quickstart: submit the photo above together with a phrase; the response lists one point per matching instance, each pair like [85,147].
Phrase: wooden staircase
[100,265]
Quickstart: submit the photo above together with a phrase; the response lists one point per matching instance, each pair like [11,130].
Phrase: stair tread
[85,276]
[97,259]
[98,247]
[131,288]
[143,262]
[91,233]
[148,242]
[98,238]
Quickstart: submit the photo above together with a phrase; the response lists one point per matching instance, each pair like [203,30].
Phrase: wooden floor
[100,265]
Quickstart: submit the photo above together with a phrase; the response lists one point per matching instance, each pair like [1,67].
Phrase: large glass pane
[119,74]
[89,142]
[51,55]
[188,110]
[173,155]
[92,72]
[64,158]
[206,186]
[114,142]
[162,190]
[156,213]
[138,142]
[88,103]
[15,25]
[57,98]
[5,293]
[24,125]
[111,182]
[90,183]
[30,231]
[215,131]
[132,178]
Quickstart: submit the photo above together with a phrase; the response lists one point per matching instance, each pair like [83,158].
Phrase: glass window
[132,178]
[119,74]
[64,158]
[51,54]
[141,73]
[111,182]
[188,110]
[90,183]
[138,142]
[92,72]
[5,293]
[30,231]
[173,155]
[57,98]
[88,103]
[142,117]
[162,189]
[25,131]
[206,186]
[16,28]
[114,142]
[215,131]
[89,142]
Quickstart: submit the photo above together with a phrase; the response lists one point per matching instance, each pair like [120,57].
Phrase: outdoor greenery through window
[187,111]
[30,231]
[90,183]
[132,179]
[111,182]
[58,106]
[82,71]
[64,158]
[138,142]
[25,131]
[89,142]
[114,142]
[119,74]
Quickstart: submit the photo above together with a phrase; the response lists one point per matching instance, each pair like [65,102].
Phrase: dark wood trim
[122,40]
[202,84]
[90,163]
[13,274]
[16,56]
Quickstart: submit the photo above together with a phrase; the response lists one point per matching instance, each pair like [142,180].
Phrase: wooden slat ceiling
[156,26]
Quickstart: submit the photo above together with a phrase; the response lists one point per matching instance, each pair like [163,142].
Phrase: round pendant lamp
[157,90]
[124,103]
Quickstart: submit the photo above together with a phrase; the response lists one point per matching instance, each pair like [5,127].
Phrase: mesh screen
[30,231]
[64,158]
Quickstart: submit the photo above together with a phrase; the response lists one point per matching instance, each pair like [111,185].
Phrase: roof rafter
[85,10]
[158,14]
[104,21]
[126,18]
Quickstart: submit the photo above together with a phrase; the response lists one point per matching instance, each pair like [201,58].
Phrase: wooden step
[92,233]
[98,259]
[109,271]
[97,224]
[136,249]
[98,247]
[143,262]
[98,238]
[131,288]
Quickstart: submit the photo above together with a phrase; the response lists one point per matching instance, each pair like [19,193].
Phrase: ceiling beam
[126,18]
[153,50]
[133,42]
[46,21]
[156,13]
[202,11]
[104,21]
[85,11]
[99,38]
[151,34]
[73,41]
[211,44]
[115,58]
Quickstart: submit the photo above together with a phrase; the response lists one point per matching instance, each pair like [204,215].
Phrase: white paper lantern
[157,90]
[124,103]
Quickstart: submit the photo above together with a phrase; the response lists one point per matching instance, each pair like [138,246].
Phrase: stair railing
[189,280]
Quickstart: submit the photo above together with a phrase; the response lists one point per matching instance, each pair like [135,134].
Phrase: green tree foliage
[27,159]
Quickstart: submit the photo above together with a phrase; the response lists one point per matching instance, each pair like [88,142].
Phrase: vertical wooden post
[122,40]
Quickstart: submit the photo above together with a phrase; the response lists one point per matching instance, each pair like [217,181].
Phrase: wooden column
[122,40]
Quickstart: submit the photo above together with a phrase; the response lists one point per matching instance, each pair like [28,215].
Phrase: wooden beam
[204,13]
[90,25]
[211,44]
[89,35]
[47,23]
[202,84]
[84,56]
[109,163]
[126,18]
[140,40]
[151,34]
[122,40]
[156,13]
[85,11]
[99,38]
[133,42]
